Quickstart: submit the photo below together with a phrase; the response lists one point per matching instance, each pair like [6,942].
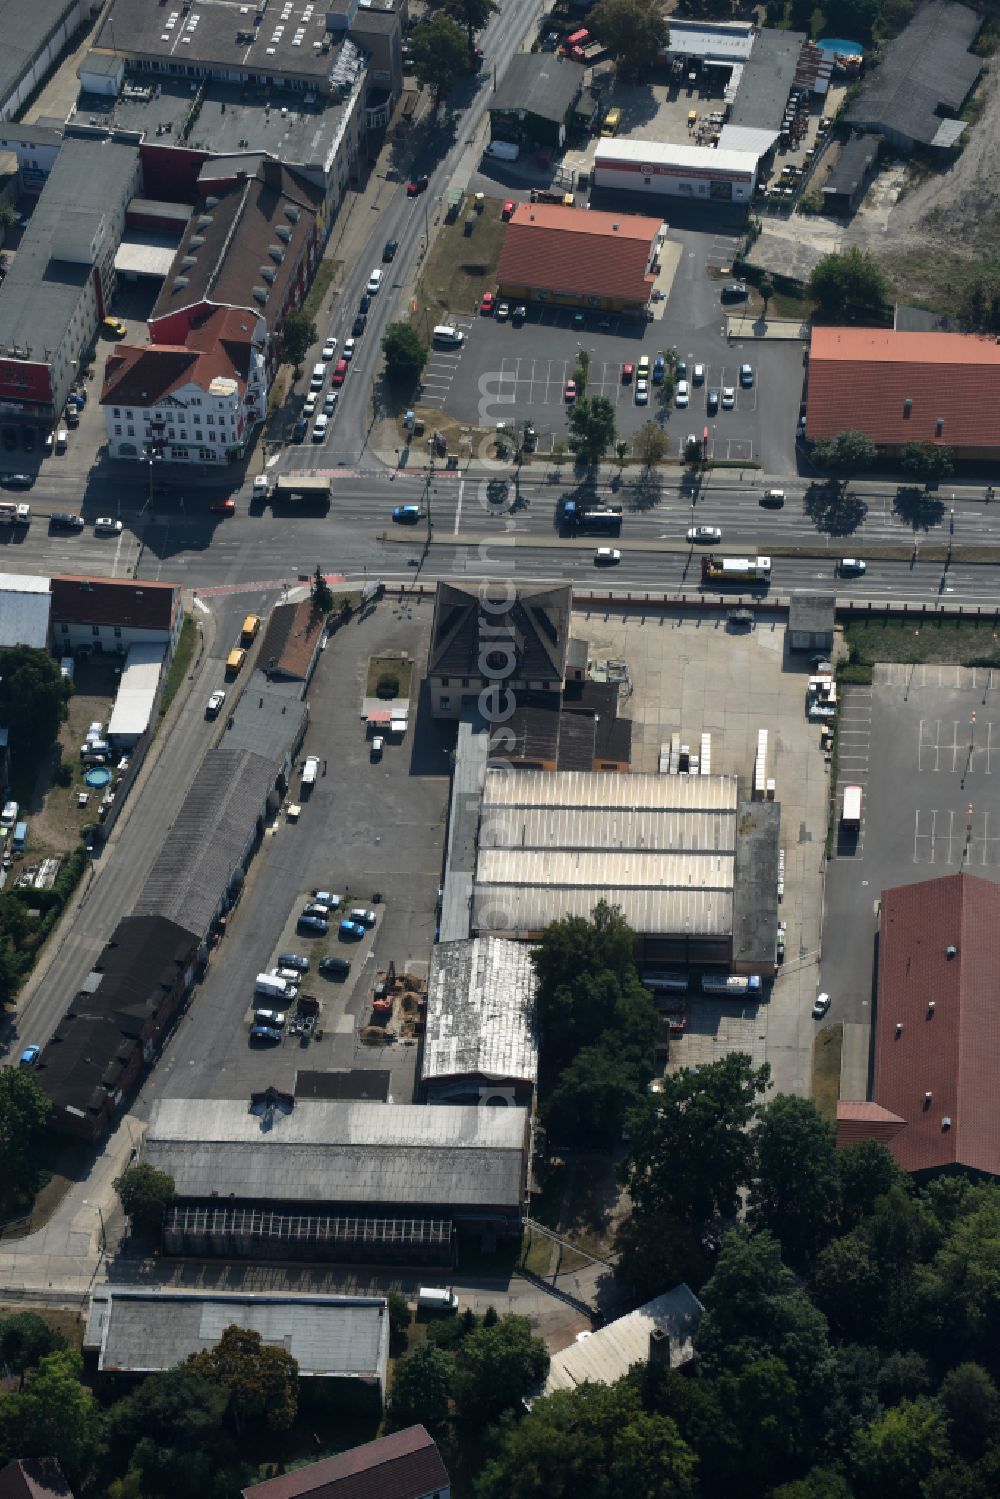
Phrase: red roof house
[404,1465]
[937,1046]
[906,387]
[578,256]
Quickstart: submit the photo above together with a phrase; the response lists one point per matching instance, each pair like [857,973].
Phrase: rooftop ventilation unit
[293,212]
[951,952]
[946,1122]
[899,1028]
[188,261]
[211,202]
[205,221]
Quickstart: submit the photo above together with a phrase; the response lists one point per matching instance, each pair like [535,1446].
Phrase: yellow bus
[234,662]
[251,625]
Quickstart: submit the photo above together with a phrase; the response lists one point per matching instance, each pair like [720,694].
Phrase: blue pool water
[838,44]
[97,777]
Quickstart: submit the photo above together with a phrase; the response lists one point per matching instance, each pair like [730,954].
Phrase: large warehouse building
[332,1180]
[480,1044]
[678,171]
[667,849]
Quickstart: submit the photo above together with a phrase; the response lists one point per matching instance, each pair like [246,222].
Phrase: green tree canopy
[849,452]
[322,593]
[33,695]
[145,1194]
[298,336]
[440,54]
[168,1435]
[55,1416]
[592,424]
[897,1454]
[971,1404]
[496,1367]
[650,445]
[797,1187]
[24,1113]
[25,1339]
[634,31]
[422,1385]
[927,460]
[474,15]
[405,354]
[762,1401]
[849,287]
[262,1381]
[867,1172]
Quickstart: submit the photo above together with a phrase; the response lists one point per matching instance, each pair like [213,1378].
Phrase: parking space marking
[955,841]
[853,761]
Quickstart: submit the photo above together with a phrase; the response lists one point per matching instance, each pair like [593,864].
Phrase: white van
[318,376]
[444,333]
[436,1299]
[319,428]
[374,281]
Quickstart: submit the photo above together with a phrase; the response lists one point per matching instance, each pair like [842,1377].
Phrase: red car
[223,507]
[627,373]
[415,188]
[340,372]
[486,305]
[508,209]
[569,393]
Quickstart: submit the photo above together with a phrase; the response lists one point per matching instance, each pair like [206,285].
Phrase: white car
[378,745]
[374,281]
[319,428]
[104,525]
[607,556]
[681,393]
[728,397]
[309,405]
[329,402]
[698,374]
[317,377]
[214,703]
[347,352]
[704,533]
[329,348]
[851,567]
[821,1006]
[503,312]
[642,392]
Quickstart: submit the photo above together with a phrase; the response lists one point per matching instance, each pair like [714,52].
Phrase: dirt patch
[827,1050]
[400,667]
[581,1200]
[460,266]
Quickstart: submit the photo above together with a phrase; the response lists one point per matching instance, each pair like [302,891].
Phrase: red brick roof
[939,1022]
[578,252]
[144,374]
[292,639]
[862,378]
[114,601]
[404,1465]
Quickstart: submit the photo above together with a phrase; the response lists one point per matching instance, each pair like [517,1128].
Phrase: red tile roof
[578,252]
[939,1022]
[292,639]
[114,601]
[143,374]
[862,378]
[404,1465]
[866,1121]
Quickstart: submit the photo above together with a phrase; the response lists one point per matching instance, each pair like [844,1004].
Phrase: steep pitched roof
[291,639]
[114,601]
[404,1465]
[535,622]
[218,346]
[858,1120]
[938,1040]
[577,252]
[34,1478]
[924,68]
[897,387]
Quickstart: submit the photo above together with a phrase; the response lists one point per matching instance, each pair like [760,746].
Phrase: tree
[474,15]
[650,445]
[766,289]
[25,1339]
[867,1172]
[298,336]
[691,1147]
[796,1191]
[496,1367]
[649,1457]
[24,1113]
[33,694]
[819,1483]
[592,424]
[262,1381]
[849,452]
[321,592]
[898,1453]
[400,1315]
[421,1388]
[594,1093]
[440,55]
[859,16]
[693,452]
[55,1416]
[145,1194]
[762,1402]
[971,1404]
[849,287]
[405,354]
[634,32]
[168,1433]
[927,460]
[621,453]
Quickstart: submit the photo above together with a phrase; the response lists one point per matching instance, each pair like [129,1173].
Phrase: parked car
[507,210]
[214,704]
[698,374]
[607,556]
[728,397]
[328,898]
[712,403]
[340,372]
[363,914]
[704,534]
[20,481]
[642,368]
[300,429]
[821,1006]
[348,349]
[486,304]
[317,377]
[335,967]
[502,312]
[377,746]
[274,1018]
[642,392]
[223,507]
[628,370]
[265,1033]
[735,291]
[312,926]
[309,405]
[106,525]
[294,960]
[660,369]
[319,428]
[569,393]
[317,908]
[519,314]
[741,619]
[30,1055]
[746,375]
[680,368]
[329,403]
[681,393]
[350,931]
[329,348]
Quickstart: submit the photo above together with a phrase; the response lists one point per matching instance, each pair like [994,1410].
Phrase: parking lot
[931,805]
[370,828]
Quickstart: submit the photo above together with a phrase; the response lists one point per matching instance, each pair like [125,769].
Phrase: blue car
[265,1033]
[30,1055]
[659,369]
[351,930]
[312,926]
[407,514]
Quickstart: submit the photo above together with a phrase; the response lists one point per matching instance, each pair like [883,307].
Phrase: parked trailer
[735,569]
[731,983]
[308,487]
[851,814]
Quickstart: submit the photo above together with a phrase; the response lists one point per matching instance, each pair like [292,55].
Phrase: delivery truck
[735,984]
[851,814]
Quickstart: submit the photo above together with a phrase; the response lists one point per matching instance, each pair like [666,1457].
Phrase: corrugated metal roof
[509,911]
[403,1465]
[573,828]
[603,869]
[142,1331]
[924,68]
[333,1151]
[480,1012]
[606,790]
[24,611]
[611,1352]
[137,690]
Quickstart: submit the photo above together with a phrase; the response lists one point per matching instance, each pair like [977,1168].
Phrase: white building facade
[679,171]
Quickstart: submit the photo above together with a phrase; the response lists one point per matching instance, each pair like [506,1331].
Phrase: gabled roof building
[486,645]
[403,1465]
[914,96]
[579,258]
[535,98]
[111,614]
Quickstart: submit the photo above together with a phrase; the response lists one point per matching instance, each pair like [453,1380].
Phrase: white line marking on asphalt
[458,511]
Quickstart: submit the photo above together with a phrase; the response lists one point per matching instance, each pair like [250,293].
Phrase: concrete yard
[687,673]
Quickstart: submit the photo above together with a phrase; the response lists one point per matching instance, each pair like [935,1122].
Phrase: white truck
[271,987]
[12,514]
[310,770]
[261,488]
